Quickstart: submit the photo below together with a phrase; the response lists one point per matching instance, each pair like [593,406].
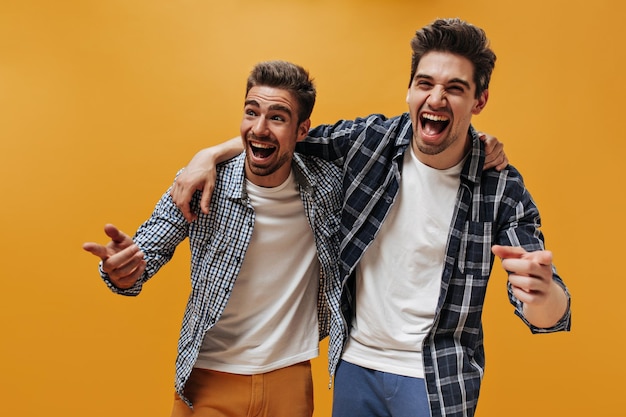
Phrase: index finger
[96,249]
[182,199]
[505,252]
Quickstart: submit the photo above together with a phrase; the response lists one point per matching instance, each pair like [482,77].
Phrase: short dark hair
[288,76]
[458,37]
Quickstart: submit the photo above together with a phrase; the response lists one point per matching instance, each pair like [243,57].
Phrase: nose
[437,97]
[260,127]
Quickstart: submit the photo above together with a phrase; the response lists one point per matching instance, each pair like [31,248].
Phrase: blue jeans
[362,392]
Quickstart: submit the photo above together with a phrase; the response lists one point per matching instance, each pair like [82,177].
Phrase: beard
[428,149]
[264,170]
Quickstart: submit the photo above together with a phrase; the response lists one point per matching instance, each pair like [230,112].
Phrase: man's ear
[481,103]
[303,130]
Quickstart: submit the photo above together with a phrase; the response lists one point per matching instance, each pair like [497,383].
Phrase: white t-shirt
[399,276]
[270,320]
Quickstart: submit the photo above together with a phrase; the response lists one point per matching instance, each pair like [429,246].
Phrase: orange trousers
[286,392]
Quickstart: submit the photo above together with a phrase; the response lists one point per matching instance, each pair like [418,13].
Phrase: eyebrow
[275,107]
[453,80]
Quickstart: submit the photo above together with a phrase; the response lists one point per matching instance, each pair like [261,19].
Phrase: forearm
[156,240]
[537,291]
[328,142]
[218,153]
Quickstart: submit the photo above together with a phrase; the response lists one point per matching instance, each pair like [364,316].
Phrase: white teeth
[261,145]
[434,118]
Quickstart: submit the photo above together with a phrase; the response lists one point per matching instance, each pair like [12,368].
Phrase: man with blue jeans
[411,294]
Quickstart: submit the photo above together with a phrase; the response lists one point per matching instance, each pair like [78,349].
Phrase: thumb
[504,252]
[116,235]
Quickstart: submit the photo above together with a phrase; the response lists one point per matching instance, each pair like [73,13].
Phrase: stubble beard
[434,149]
[263,171]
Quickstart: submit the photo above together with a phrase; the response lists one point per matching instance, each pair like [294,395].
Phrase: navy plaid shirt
[218,243]
[491,208]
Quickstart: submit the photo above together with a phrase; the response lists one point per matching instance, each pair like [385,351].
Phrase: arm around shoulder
[200,174]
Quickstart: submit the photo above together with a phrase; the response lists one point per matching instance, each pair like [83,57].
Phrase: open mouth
[262,150]
[433,124]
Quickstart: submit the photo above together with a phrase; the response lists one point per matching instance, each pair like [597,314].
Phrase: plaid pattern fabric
[491,208]
[218,243]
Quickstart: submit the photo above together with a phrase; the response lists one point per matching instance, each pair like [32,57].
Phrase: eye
[251,114]
[423,84]
[278,118]
[456,89]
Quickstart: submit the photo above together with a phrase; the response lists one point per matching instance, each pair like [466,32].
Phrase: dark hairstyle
[288,76]
[457,37]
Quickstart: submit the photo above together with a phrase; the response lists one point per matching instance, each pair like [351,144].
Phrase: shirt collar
[473,168]
[236,182]
[304,177]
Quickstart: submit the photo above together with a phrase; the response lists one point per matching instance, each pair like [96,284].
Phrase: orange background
[101,102]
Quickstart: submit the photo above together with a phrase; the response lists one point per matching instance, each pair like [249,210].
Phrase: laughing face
[441,103]
[270,130]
